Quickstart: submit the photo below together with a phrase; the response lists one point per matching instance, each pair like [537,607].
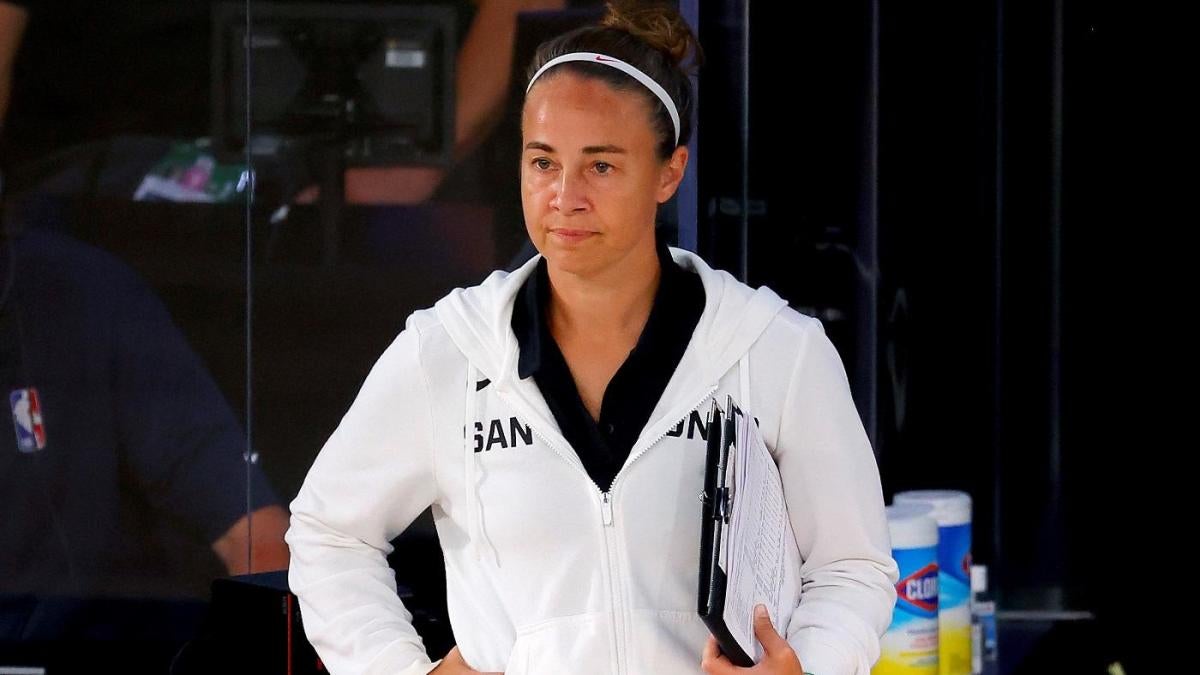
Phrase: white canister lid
[950,507]
[912,526]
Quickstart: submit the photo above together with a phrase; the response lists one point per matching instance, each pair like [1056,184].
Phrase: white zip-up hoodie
[545,572]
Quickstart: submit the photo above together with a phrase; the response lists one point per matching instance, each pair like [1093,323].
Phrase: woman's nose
[570,194]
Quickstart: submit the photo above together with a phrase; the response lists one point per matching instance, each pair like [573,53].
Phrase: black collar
[674,302]
[603,444]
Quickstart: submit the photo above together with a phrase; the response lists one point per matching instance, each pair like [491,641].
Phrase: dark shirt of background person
[121,464]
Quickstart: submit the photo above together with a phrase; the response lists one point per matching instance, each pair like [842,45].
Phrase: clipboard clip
[721,504]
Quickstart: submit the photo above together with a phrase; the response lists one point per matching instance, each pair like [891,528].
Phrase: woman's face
[590,177]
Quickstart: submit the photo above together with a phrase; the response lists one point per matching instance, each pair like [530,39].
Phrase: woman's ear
[671,174]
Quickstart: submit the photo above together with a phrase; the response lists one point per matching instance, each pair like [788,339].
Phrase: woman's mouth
[569,235]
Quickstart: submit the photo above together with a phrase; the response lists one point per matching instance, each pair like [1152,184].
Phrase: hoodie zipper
[607,519]
[611,540]
[614,588]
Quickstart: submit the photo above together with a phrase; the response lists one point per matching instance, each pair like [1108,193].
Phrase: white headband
[592,57]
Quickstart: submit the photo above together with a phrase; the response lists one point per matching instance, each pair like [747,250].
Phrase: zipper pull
[606,508]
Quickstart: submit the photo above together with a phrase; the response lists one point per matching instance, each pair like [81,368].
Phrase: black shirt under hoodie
[631,395]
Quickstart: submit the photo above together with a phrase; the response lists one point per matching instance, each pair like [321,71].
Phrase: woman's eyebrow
[589,150]
[606,149]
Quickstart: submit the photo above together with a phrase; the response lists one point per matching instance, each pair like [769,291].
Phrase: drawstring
[474,505]
[469,460]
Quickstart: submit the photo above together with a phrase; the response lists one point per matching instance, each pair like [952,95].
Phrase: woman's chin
[572,260]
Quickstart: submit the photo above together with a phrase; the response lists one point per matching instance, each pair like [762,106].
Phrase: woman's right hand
[454,664]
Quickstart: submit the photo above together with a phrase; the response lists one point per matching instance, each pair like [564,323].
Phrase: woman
[551,418]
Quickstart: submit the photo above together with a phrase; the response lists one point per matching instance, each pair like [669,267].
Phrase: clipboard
[717,502]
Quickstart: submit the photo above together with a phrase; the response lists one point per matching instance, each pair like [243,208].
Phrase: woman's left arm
[835,503]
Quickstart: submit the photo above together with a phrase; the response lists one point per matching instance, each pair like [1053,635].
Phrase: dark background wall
[936,183]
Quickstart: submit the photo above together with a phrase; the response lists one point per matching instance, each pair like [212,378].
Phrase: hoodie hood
[478,320]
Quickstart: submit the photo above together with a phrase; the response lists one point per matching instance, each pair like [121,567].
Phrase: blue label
[954,563]
[917,590]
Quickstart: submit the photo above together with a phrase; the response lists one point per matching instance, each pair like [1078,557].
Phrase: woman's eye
[603,167]
[542,164]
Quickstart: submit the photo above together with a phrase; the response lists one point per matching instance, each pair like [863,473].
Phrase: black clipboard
[714,520]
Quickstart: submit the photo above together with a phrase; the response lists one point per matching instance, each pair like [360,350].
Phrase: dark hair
[652,37]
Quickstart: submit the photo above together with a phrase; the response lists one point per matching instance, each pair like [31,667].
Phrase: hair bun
[658,25]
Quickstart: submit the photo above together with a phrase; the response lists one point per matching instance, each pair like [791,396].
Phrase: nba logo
[27,419]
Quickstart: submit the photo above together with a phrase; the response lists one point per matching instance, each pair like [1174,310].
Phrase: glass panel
[122,471]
